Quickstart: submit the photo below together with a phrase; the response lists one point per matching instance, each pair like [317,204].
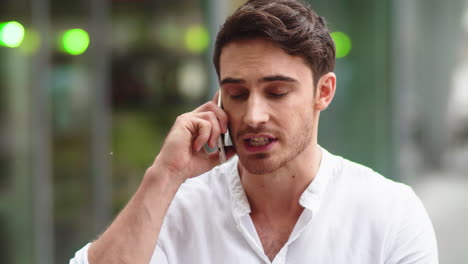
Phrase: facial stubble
[264,163]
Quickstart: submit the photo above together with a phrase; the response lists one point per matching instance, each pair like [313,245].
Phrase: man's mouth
[259,141]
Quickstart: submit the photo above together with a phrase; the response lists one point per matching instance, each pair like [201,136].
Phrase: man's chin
[258,164]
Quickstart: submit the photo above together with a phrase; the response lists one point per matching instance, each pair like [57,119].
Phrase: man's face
[268,96]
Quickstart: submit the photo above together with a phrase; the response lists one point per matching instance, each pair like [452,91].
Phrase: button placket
[280,258]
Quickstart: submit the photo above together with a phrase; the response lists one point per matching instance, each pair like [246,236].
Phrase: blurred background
[88,90]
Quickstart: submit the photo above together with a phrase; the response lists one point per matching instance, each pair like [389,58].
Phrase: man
[282,198]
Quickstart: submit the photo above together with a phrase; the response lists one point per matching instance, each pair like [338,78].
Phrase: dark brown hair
[289,24]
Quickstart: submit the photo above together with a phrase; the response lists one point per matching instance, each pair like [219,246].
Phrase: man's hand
[182,153]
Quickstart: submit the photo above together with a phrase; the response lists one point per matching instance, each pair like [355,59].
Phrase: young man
[282,198]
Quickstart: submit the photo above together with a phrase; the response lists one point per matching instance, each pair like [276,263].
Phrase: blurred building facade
[77,132]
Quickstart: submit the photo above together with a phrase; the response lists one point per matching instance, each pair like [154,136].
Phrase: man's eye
[239,96]
[277,95]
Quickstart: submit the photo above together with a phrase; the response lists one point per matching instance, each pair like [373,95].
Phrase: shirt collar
[239,203]
[310,198]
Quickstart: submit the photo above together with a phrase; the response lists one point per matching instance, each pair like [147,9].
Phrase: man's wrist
[162,176]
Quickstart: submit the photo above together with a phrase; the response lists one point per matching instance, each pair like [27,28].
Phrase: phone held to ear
[225,139]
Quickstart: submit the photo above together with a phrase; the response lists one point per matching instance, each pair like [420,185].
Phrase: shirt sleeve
[81,257]
[413,240]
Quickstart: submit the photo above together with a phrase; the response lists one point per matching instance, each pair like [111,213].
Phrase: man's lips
[258,142]
[257,135]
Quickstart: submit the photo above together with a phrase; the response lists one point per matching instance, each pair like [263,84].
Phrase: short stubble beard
[260,164]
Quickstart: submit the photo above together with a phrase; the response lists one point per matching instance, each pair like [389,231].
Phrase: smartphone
[225,139]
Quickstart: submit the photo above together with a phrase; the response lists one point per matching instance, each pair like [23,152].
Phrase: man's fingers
[215,127]
[203,133]
[190,132]
[219,113]
[204,127]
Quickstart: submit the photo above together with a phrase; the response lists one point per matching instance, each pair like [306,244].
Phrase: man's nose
[256,113]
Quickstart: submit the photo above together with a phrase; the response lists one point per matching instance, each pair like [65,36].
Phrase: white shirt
[352,215]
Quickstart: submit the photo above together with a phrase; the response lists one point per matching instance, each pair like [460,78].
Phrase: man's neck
[278,193]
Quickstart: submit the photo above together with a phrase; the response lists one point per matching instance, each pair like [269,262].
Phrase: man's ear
[326,87]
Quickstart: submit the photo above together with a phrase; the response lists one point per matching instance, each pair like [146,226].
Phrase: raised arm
[133,235]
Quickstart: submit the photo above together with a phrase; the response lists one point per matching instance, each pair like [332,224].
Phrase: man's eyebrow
[272,78]
[229,80]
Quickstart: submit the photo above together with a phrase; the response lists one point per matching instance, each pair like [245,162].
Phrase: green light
[197,39]
[342,43]
[75,41]
[11,34]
